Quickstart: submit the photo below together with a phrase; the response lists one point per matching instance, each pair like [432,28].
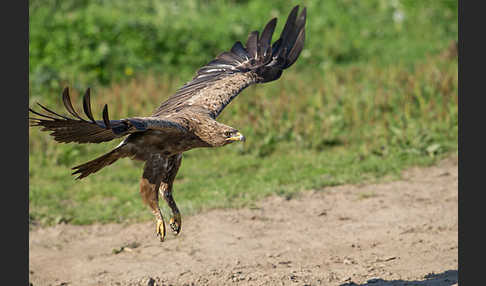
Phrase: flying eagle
[186,120]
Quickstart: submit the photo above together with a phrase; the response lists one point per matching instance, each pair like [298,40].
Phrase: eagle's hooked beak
[238,137]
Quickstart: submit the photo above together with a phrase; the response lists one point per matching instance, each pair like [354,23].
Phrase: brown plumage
[186,120]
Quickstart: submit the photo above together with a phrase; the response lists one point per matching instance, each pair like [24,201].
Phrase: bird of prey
[186,120]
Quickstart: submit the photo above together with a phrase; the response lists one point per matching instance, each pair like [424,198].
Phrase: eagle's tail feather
[97,164]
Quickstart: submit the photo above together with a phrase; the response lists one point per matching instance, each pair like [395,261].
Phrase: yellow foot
[160,229]
[175,223]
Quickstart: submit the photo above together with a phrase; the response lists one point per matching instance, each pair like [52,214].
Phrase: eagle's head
[233,135]
[216,134]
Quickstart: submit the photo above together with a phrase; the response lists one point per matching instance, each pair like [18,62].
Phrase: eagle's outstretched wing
[218,82]
[66,129]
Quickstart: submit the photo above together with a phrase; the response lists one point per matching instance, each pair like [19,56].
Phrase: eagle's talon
[175,223]
[160,229]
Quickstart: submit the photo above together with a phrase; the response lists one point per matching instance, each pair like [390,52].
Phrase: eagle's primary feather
[186,120]
[240,67]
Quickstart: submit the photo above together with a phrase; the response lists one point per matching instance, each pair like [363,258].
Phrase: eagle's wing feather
[218,82]
[77,129]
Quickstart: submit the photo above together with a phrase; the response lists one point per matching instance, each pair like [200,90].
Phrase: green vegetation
[90,42]
[374,91]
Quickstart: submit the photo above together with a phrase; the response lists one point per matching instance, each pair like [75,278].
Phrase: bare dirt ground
[396,233]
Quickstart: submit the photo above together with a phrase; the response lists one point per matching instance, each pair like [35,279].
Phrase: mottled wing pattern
[77,129]
[218,82]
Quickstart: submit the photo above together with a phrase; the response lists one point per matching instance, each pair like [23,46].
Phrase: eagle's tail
[97,164]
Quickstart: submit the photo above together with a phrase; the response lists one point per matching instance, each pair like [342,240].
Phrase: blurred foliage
[91,42]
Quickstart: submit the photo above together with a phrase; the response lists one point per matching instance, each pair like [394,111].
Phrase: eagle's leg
[149,186]
[151,197]
[166,191]
[175,221]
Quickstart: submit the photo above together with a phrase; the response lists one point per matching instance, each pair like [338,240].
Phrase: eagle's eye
[228,133]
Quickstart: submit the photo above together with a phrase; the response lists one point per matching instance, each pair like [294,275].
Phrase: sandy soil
[396,233]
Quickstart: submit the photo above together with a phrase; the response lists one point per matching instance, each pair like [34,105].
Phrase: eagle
[186,120]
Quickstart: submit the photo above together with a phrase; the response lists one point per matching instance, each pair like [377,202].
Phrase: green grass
[354,124]
[371,94]
[88,42]
[210,179]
